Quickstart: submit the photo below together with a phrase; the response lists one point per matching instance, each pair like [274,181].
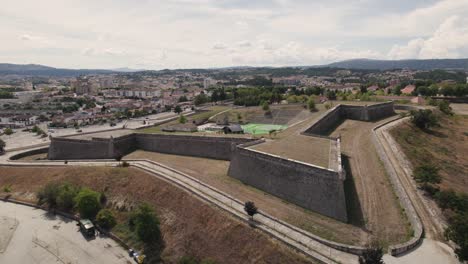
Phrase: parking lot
[33,236]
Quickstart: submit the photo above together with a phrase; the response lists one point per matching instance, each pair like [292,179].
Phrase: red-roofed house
[409,89]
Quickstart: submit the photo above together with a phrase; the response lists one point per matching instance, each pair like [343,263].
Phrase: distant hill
[460,64]
[40,70]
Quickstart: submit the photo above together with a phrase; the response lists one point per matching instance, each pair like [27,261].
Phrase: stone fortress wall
[101,148]
[332,118]
[206,147]
[313,187]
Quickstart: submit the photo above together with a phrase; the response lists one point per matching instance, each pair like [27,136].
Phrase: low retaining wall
[30,153]
[318,189]
[405,201]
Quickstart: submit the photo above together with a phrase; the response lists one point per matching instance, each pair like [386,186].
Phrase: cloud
[217,33]
[219,46]
[450,40]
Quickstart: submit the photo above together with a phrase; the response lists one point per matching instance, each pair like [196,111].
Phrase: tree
[2,145]
[424,118]
[87,203]
[265,106]
[372,255]
[427,174]
[178,109]
[118,158]
[201,99]
[8,131]
[183,98]
[458,233]
[106,219]
[146,224]
[311,104]
[182,119]
[331,95]
[444,107]
[250,209]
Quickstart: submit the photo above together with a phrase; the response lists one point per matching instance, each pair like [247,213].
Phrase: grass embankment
[189,226]
[440,164]
[446,147]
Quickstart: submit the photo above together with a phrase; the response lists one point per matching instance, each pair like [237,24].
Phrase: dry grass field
[445,147]
[189,226]
[214,173]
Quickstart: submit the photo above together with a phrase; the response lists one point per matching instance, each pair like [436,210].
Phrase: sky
[168,34]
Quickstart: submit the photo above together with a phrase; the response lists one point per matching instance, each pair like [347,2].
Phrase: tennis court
[261,129]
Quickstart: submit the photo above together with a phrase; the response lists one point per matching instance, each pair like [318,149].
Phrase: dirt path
[380,209]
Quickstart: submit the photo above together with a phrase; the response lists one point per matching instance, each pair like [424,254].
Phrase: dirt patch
[381,213]
[214,173]
[189,226]
[446,147]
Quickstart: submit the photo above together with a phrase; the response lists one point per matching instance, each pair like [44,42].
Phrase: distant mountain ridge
[357,64]
[432,64]
[41,70]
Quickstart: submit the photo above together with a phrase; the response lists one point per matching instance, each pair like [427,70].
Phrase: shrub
[8,131]
[265,106]
[424,119]
[66,196]
[146,224]
[372,255]
[2,145]
[7,188]
[311,104]
[458,233]
[427,174]
[48,194]
[182,119]
[105,219]
[88,203]
[125,164]
[328,106]
[444,107]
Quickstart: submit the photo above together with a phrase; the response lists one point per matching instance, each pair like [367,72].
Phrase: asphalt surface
[41,238]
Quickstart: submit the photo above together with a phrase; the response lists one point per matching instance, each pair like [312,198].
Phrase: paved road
[41,238]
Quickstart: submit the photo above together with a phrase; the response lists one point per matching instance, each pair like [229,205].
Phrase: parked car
[87,227]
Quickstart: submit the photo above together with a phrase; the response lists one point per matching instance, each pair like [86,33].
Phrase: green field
[261,129]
